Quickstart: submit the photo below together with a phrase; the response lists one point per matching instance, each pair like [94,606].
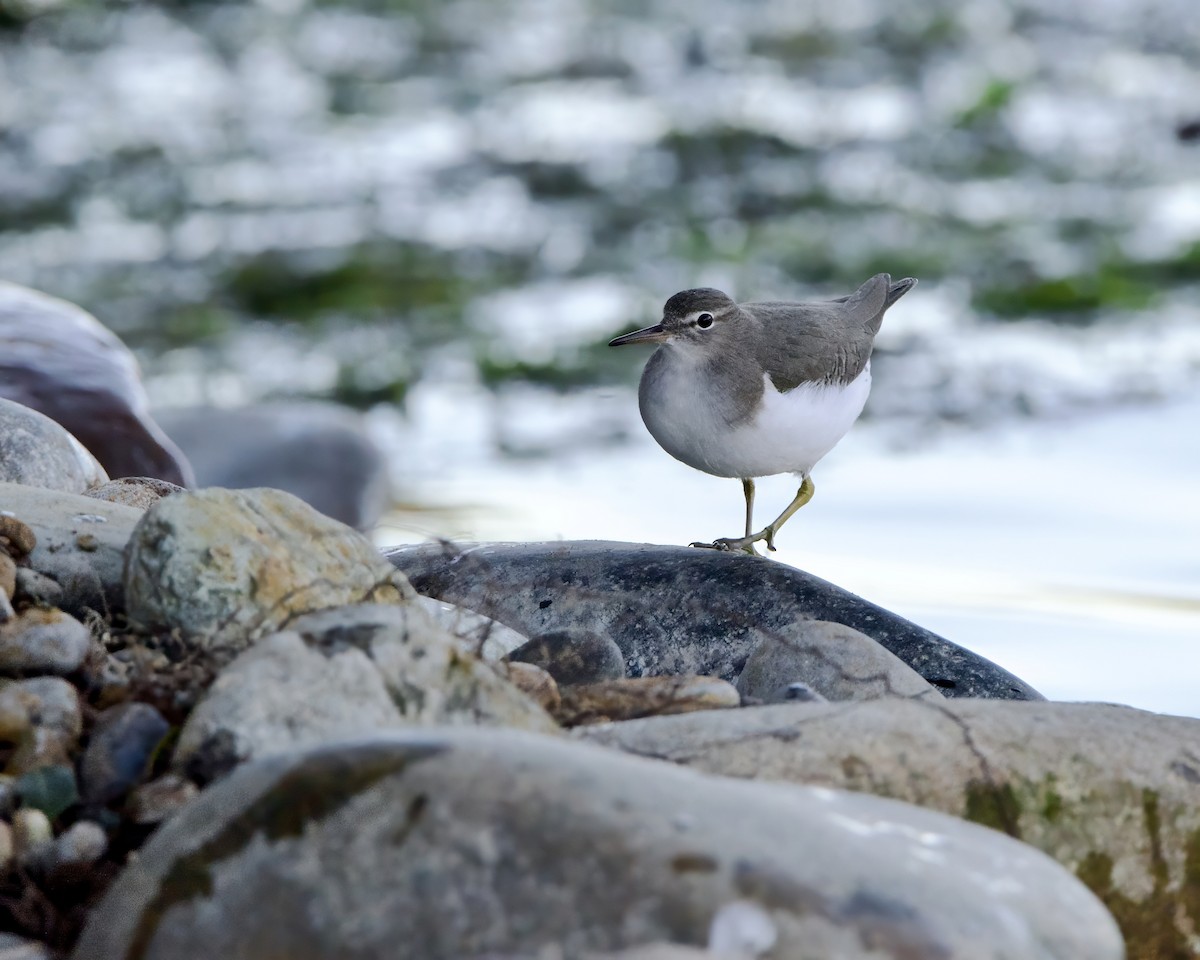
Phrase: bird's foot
[734,544]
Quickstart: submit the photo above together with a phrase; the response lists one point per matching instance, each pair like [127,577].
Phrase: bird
[748,390]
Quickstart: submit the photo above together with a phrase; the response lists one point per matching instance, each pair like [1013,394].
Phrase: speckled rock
[534,682]
[60,360]
[42,716]
[159,799]
[226,567]
[319,452]
[573,656]
[486,638]
[677,610]
[40,640]
[119,752]
[139,492]
[831,659]
[1111,792]
[37,452]
[37,588]
[347,672]
[632,697]
[80,544]
[494,842]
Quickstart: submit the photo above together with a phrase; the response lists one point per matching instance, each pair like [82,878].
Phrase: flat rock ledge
[678,610]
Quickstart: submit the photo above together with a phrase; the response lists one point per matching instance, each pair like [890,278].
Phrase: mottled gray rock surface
[80,544]
[474,843]
[139,492]
[1111,792]
[119,751]
[483,636]
[347,672]
[677,610]
[38,452]
[225,567]
[829,659]
[60,360]
[320,452]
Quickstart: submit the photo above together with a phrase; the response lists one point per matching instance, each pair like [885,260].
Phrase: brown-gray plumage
[724,392]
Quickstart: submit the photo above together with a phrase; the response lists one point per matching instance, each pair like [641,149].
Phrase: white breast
[789,432]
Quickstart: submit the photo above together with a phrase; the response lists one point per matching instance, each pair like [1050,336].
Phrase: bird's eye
[704,321]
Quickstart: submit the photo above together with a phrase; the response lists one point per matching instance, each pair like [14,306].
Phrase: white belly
[789,432]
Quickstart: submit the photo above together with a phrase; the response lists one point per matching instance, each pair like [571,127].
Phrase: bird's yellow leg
[748,490]
[746,543]
[803,495]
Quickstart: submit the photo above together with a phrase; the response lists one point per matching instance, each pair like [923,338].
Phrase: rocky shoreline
[231,727]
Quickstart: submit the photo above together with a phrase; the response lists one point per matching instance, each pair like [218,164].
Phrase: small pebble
[49,789]
[16,539]
[32,836]
[159,799]
[8,794]
[53,722]
[87,542]
[123,741]
[6,850]
[573,656]
[8,575]
[38,588]
[140,492]
[41,641]
[77,849]
[533,681]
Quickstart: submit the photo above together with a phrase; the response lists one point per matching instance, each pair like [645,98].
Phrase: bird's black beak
[654,334]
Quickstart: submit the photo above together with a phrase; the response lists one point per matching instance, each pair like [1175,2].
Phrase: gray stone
[677,610]
[74,852]
[226,567]
[80,544]
[346,672]
[495,842]
[37,588]
[37,452]
[320,452]
[41,640]
[159,799]
[60,360]
[573,656]
[139,492]
[43,716]
[13,947]
[830,659]
[1111,792]
[119,752]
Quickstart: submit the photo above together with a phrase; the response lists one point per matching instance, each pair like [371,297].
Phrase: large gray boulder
[677,610]
[1110,792]
[80,544]
[321,452]
[61,361]
[452,844]
[227,567]
[37,452]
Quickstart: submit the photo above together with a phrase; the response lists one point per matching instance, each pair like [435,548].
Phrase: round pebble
[573,656]
[119,753]
[42,641]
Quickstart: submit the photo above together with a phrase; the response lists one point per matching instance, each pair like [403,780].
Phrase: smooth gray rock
[573,656]
[474,843]
[830,659]
[60,360]
[118,754]
[80,544]
[38,588]
[38,452]
[40,640]
[320,452]
[348,672]
[1111,792]
[678,610]
[226,567]
[13,947]
[486,638]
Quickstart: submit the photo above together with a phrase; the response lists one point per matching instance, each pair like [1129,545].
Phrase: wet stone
[40,640]
[44,714]
[633,697]
[121,748]
[573,656]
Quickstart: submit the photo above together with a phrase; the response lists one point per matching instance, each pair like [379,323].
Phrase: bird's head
[691,316]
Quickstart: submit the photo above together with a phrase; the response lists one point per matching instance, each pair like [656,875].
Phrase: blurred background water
[440,212]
